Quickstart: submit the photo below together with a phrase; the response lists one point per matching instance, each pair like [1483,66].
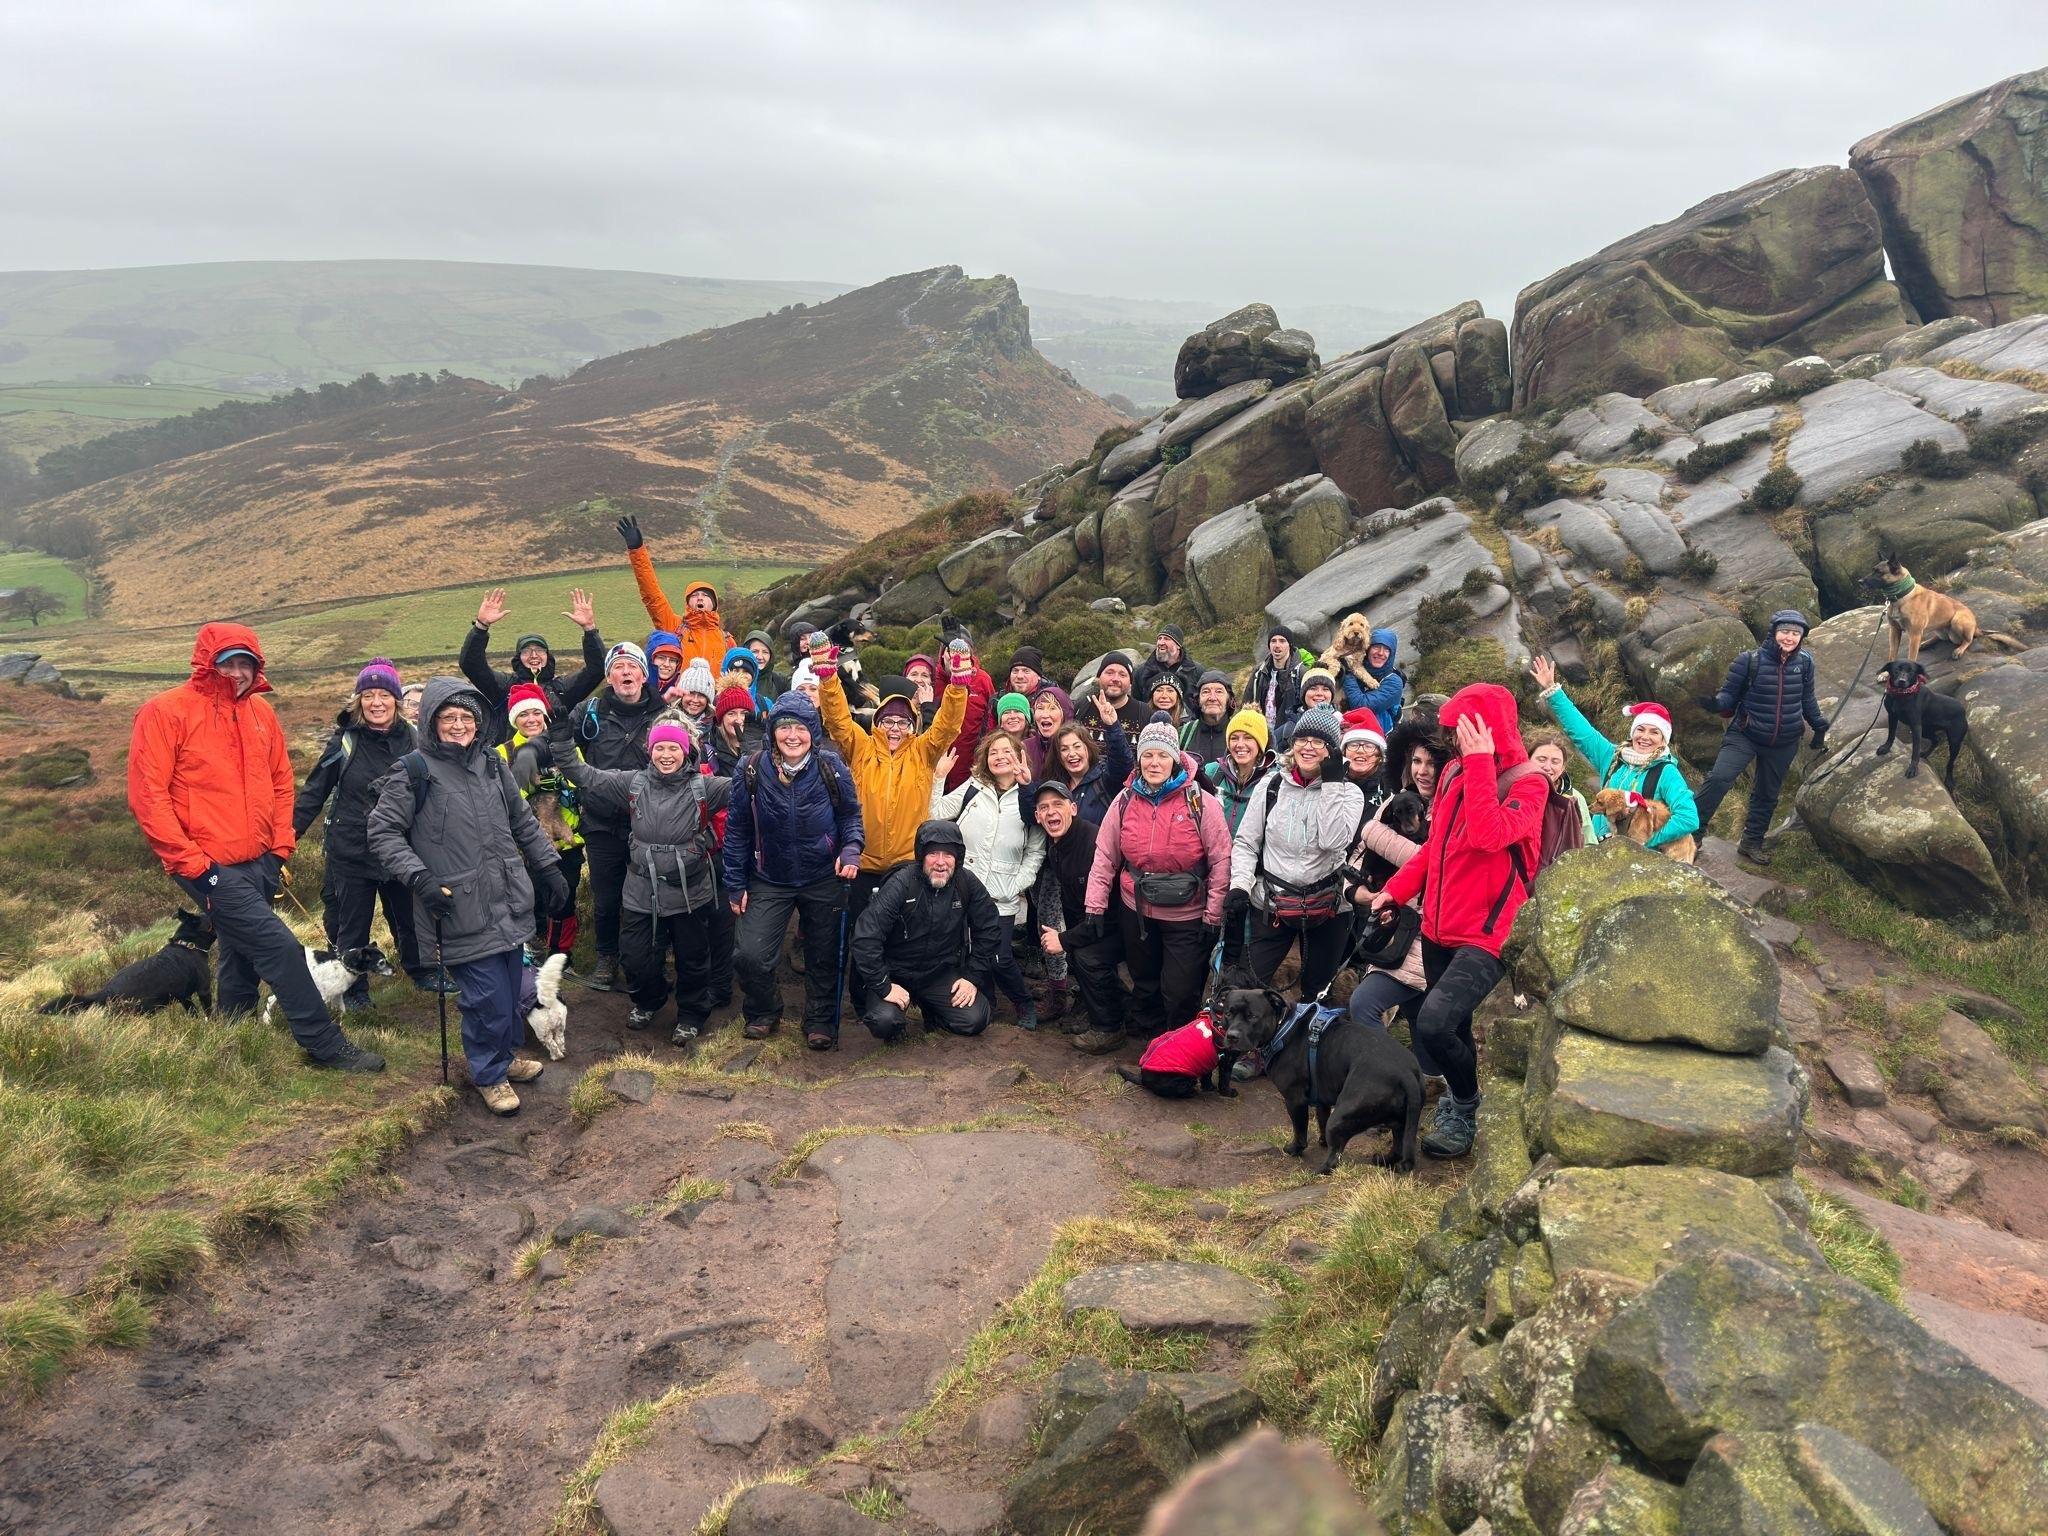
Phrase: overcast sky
[1400,156]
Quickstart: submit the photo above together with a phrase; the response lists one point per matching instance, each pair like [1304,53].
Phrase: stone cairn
[1621,1324]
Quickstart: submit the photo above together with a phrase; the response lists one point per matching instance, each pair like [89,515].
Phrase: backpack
[1562,829]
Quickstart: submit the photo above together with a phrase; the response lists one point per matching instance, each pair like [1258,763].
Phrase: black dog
[1363,1078]
[177,973]
[1408,814]
[1930,718]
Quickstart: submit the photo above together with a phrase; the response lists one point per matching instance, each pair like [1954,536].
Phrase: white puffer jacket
[1003,850]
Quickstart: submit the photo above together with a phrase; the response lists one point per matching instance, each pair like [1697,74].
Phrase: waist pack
[1167,890]
[1302,905]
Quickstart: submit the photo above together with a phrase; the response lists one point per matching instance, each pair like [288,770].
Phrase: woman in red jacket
[1485,833]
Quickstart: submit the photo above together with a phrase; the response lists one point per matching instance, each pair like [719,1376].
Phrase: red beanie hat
[730,699]
[1652,714]
[525,696]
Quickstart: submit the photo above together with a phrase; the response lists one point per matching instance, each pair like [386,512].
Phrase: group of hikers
[949,842]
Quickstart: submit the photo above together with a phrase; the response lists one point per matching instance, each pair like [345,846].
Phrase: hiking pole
[839,974]
[441,991]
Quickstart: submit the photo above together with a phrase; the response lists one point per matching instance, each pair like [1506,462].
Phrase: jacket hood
[1789,616]
[214,638]
[1390,640]
[940,834]
[546,674]
[794,706]
[700,586]
[1059,696]
[1493,704]
[443,691]
[766,639]
[663,640]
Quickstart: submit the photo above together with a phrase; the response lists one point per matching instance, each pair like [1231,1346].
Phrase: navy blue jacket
[1771,697]
[791,834]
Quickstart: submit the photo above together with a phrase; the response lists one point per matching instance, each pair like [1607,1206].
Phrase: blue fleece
[1384,701]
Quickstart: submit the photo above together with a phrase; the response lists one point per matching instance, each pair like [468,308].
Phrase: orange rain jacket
[702,634]
[209,779]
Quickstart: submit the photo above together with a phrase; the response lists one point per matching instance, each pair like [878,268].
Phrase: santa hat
[525,696]
[1652,714]
[1361,724]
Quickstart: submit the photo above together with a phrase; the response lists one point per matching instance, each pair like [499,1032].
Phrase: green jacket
[1606,759]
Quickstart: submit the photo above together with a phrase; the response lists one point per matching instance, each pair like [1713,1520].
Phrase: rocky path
[396,1373]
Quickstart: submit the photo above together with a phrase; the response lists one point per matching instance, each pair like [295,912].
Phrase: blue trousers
[487,992]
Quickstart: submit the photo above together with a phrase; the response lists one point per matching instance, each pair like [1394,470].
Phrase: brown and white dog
[1914,611]
[1352,640]
[1639,820]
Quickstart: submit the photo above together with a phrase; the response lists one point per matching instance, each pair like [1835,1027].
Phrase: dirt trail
[390,1374]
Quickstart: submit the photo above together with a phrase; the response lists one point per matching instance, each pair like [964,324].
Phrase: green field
[416,629]
[31,568]
[34,418]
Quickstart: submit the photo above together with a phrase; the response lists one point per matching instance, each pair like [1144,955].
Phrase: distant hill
[789,436]
[90,351]
[82,353]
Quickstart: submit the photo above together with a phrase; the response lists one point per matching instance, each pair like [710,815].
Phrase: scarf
[787,772]
[1177,781]
[1637,759]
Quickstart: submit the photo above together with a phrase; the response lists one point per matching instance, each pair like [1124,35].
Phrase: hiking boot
[603,974]
[524,1071]
[436,980]
[1054,999]
[684,1035]
[1452,1128]
[760,1029]
[639,1018]
[1027,1016]
[352,1058]
[500,1099]
[1749,848]
[1100,1042]
[818,1040]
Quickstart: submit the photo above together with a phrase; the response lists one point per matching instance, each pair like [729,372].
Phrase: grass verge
[1851,1245]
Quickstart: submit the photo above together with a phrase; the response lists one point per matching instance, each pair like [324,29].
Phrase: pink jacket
[1396,850]
[1166,836]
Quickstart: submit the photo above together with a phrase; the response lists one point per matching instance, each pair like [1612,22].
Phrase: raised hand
[581,609]
[945,763]
[1544,670]
[1104,708]
[629,530]
[1474,735]
[492,608]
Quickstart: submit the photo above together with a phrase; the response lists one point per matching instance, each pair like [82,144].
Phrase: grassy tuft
[747,1130]
[262,1207]
[627,1428]
[810,1141]
[1851,1245]
[716,1520]
[161,1251]
[877,1501]
[39,1335]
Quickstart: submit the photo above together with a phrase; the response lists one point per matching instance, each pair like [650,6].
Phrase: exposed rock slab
[1855,431]
[1623,986]
[934,1232]
[1248,455]
[1811,1478]
[1167,1296]
[1637,1222]
[1903,835]
[1245,344]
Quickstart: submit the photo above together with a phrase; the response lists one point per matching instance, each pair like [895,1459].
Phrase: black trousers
[931,997]
[1738,752]
[1169,965]
[608,853]
[1094,969]
[1168,1085]
[352,903]
[647,941]
[1323,948]
[723,927]
[252,943]
[1459,978]
[818,908]
[862,891]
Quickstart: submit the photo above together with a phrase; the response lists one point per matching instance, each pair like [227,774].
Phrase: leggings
[1459,979]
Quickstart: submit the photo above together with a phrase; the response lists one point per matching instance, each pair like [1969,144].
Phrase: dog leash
[1841,755]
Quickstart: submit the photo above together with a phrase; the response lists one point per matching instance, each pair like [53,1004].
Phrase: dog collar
[188,944]
[1913,687]
[1899,589]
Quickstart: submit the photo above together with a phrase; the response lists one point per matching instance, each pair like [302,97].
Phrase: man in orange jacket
[698,626]
[210,784]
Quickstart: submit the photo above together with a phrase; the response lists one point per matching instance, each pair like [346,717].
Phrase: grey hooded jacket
[672,863]
[473,834]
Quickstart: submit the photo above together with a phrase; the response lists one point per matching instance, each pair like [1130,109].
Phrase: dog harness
[1320,1017]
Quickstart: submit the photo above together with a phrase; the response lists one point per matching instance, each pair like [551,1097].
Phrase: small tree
[32,603]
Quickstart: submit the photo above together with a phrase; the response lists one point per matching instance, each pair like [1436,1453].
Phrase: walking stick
[441,991]
[839,974]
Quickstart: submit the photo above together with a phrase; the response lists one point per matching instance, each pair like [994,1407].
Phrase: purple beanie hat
[380,673]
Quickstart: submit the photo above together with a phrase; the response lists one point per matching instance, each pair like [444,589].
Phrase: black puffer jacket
[613,734]
[345,781]
[726,759]
[1062,895]
[911,934]
[673,865]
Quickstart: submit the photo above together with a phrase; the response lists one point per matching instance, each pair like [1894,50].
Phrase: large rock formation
[1790,263]
[1964,205]
[1247,343]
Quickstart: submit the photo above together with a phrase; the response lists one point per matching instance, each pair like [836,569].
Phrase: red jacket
[209,779]
[1163,837]
[1487,814]
[1189,1050]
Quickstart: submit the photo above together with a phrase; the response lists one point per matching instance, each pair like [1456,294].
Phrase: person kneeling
[910,941]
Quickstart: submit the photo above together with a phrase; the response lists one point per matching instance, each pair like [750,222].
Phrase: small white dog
[546,1014]
[334,973]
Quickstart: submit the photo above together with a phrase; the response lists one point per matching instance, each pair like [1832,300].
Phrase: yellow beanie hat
[1253,724]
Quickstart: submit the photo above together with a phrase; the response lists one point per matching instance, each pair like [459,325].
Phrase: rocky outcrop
[1789,264]
[1657,1346]
[1962,202]
[1247,343]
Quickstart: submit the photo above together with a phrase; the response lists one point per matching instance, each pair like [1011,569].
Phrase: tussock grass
[877,1502]
[160,1251]
[689,1188]
[261,1207]
[1851,1245]
[747,1130]
[1312,1362]
[716,1519]
[627,1428]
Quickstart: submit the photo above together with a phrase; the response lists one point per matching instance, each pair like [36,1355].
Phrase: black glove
[1235,906]
[629,530]
[554,889]
[543,750]
[1819,742]
[1087,931]
[1709,702]
[438,900]
[1211,937]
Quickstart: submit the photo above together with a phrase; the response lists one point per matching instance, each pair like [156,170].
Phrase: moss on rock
[1554,921]
[1673,968]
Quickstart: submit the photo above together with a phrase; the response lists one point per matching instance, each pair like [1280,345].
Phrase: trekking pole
[441,991]
[839,975]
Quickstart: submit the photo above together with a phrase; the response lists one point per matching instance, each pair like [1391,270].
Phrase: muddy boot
[1452,1128]
[523,1070]
[1752,850]
[500,1099]
[1100,1042]
[1027,1016]
[1054,999]
[352,1058]
[436,980]
[603,974]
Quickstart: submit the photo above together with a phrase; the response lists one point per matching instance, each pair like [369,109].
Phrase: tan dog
[1639,820]
[1913,611]
[1350,643]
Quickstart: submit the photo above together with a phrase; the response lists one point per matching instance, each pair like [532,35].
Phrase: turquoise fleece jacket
[1600,752]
